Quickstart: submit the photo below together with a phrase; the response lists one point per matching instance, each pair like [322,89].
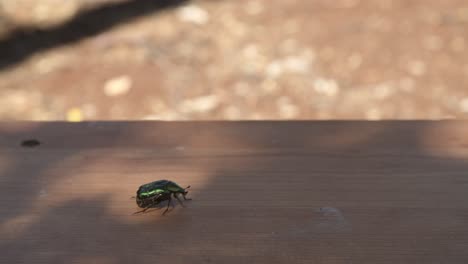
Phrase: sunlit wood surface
[263,192]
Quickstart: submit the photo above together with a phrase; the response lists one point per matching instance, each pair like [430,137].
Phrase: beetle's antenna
[187,187]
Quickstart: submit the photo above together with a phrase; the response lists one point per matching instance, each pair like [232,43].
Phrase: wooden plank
[263,192]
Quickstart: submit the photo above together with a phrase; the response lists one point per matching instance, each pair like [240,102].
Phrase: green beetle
[153,193]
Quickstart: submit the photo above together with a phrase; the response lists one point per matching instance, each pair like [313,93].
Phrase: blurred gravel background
[233,59]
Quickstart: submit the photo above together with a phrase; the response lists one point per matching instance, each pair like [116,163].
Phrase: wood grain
[263,192]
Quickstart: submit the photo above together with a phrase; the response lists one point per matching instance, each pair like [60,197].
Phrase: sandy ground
[233,59]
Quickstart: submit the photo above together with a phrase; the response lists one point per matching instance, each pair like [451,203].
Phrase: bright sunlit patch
[74,115]
[446,139]
[16,226]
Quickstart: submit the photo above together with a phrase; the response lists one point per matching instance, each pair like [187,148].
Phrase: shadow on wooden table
[25,41]
[263,192]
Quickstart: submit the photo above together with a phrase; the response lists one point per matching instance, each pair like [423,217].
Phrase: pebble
[382,91]
[193,14]
[327,87]
[296,64]
[274,69]
[251,51]
[74,115]
[118,86]
[290,64]
[417,68]
[50,63]
[200,104]
[40,13]
[287,109]
[373,114]
[464,105]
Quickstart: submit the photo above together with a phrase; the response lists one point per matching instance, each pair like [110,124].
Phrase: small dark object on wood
[30,143]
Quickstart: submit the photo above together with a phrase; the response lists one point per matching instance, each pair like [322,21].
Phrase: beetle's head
[185,190]
[140,190]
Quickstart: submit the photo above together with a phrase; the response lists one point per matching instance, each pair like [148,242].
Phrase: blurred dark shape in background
[21,42]
[254,59]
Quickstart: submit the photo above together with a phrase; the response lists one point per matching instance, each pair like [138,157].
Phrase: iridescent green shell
[158,188]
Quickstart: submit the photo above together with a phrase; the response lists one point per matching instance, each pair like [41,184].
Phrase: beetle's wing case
[174,187]
[151,189]
[161,184]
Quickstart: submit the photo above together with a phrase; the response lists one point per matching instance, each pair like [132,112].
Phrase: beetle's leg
[144,210]
[185,193]
[176,195]
[185,198]
[168,204]
[151,205]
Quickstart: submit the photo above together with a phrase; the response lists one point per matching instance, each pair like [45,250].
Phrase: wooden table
[263,192]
